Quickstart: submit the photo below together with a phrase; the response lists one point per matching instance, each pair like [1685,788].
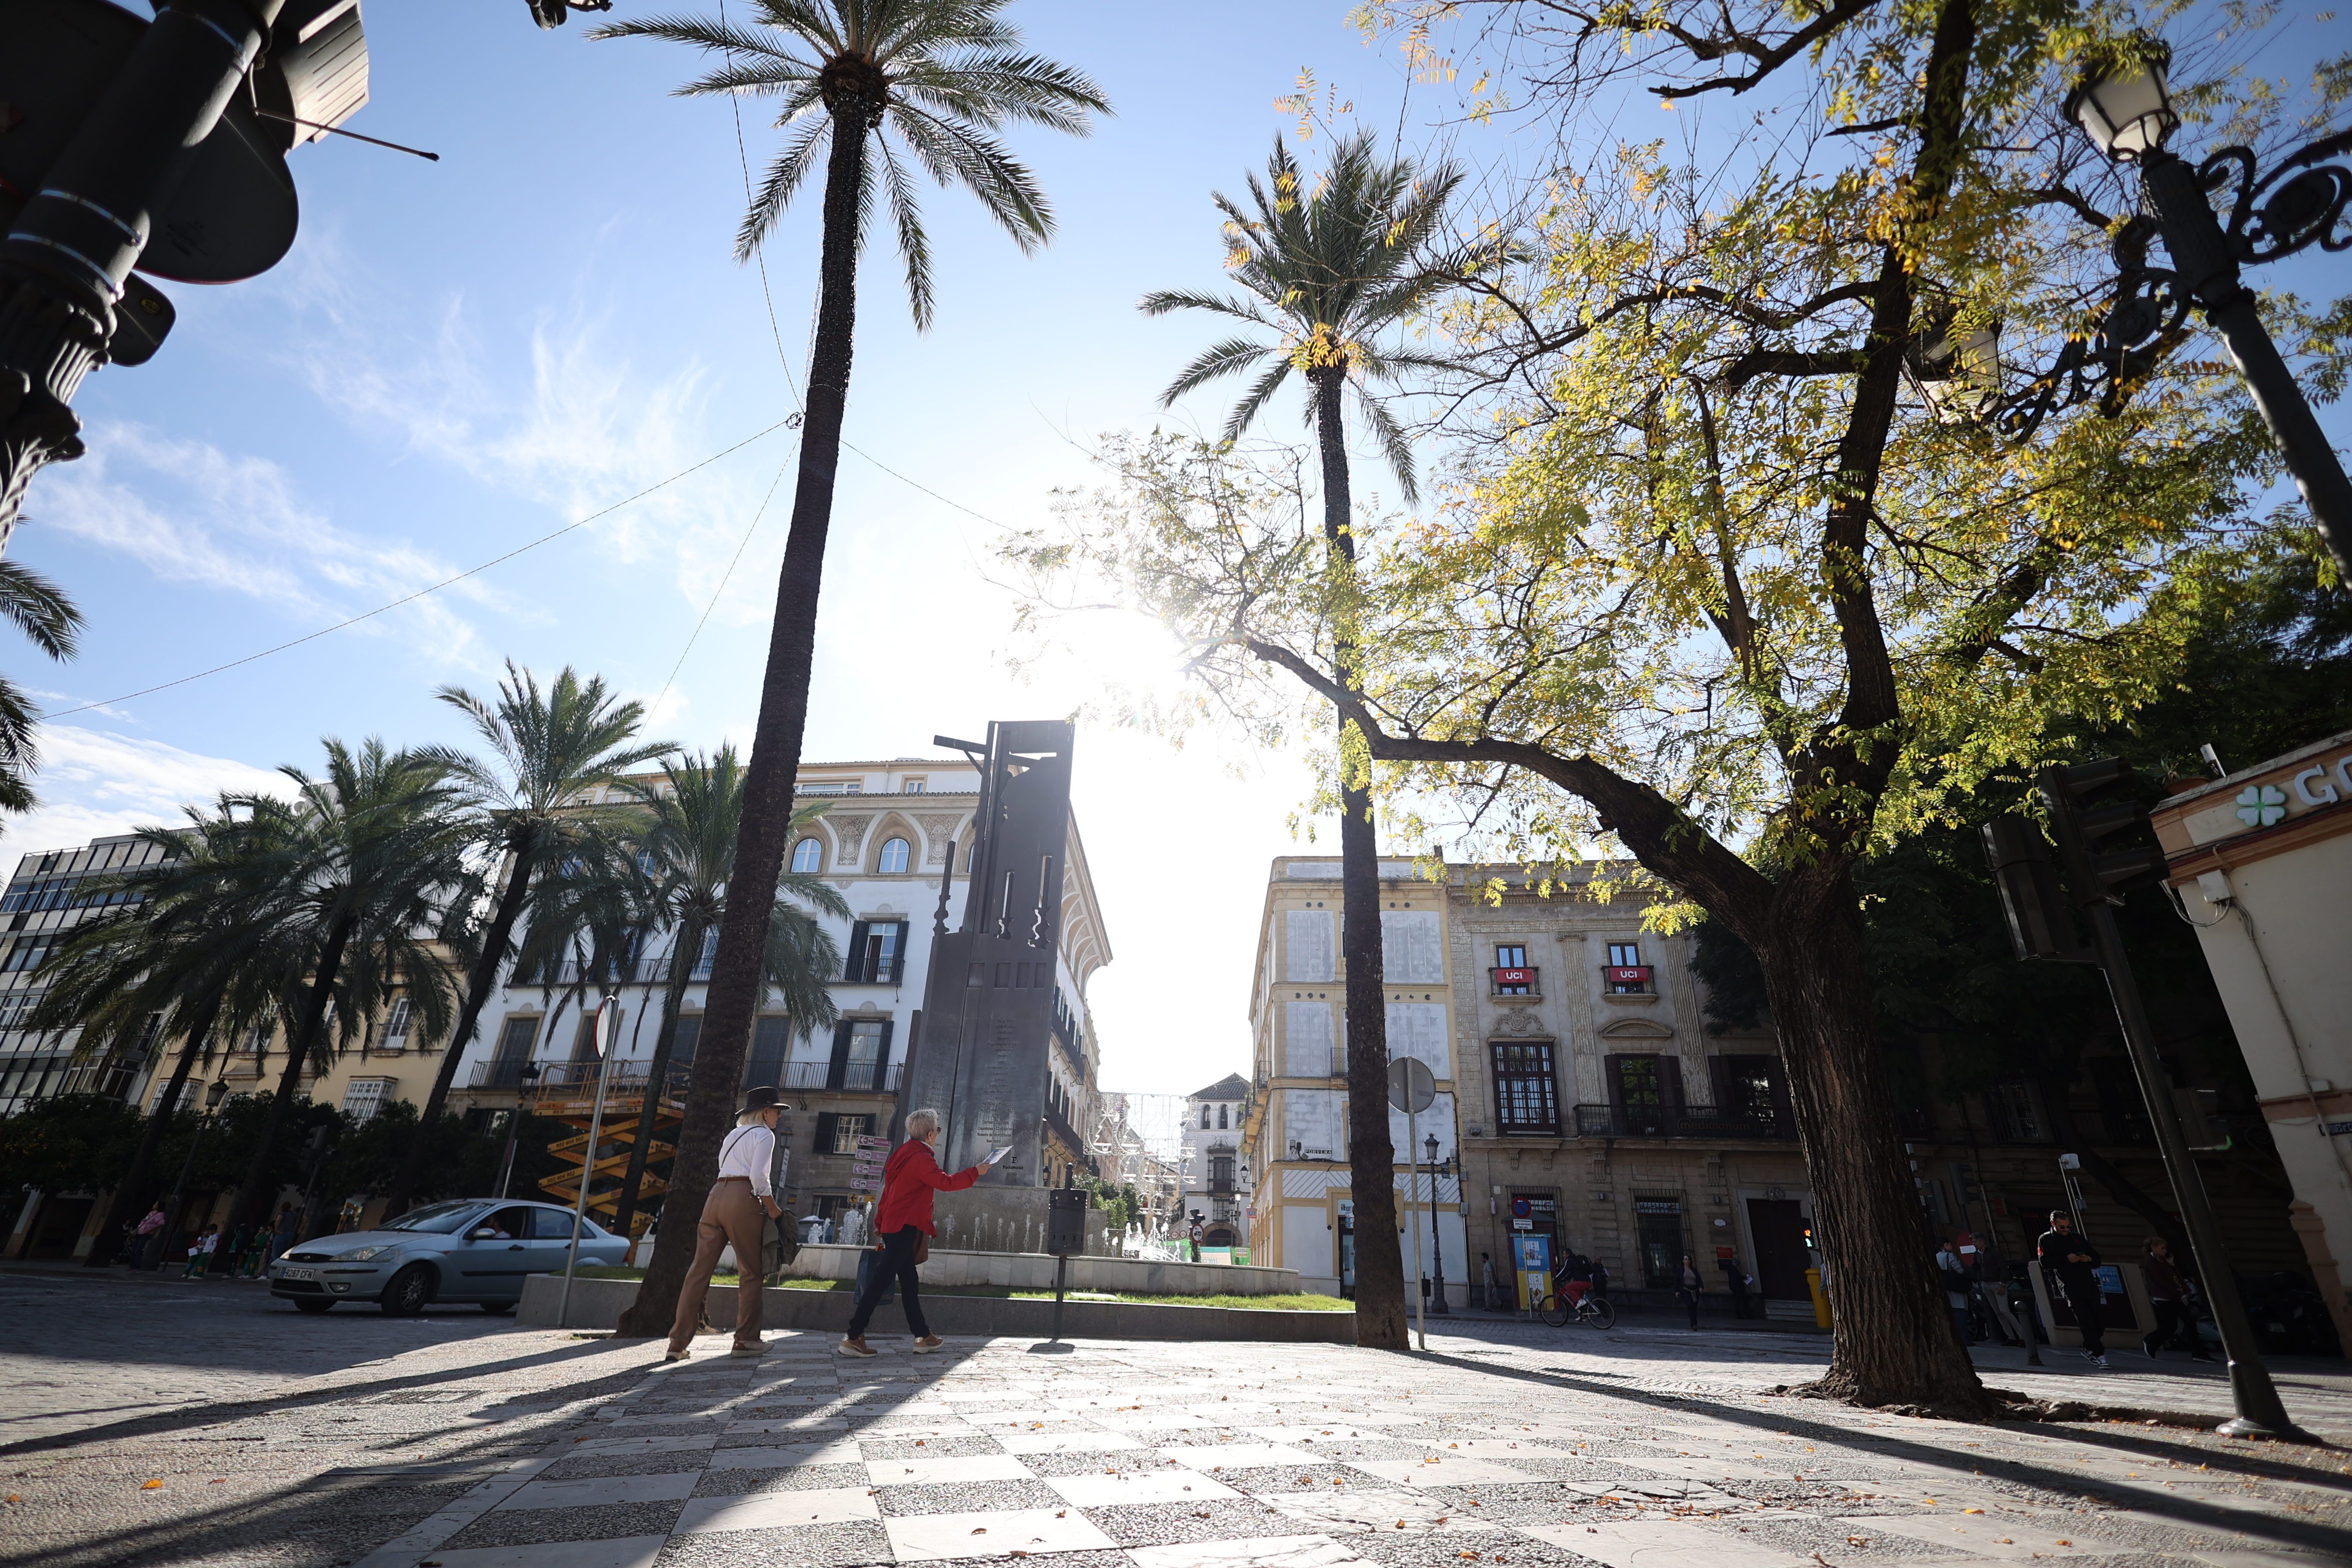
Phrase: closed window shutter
[1670,1081]
[1615,1065]
[857,965]
[882,1052]
[823,1144]
[1719,1069]
[898,952]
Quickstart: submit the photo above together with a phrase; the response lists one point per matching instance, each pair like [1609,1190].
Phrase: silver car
[473,1250]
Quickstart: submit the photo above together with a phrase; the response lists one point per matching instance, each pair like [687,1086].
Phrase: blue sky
[459,356]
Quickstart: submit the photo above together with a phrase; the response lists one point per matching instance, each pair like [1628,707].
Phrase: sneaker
[676,1355]
[747,1350]
[2100,1362]
[854,1347]
[928,1344]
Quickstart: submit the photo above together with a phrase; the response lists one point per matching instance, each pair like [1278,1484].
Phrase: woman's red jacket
[910,1177]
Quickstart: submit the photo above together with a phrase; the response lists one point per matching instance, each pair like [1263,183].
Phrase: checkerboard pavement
[1103,1455]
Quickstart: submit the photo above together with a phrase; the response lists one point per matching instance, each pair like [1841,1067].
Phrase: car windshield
[440,1218]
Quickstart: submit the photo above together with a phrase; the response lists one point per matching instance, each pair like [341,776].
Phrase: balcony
[854,1078]
[1627,979]
[1522,983]
[568,1079]
[1679,1122]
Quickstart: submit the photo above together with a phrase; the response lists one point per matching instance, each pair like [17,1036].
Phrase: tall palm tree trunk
[738,969]
[479,987]
[253,1198]
[125,1203]
[1380,1320]
[684,952]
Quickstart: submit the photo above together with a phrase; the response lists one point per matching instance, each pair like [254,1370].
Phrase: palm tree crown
[938,76]
[39,608]
[1328,270]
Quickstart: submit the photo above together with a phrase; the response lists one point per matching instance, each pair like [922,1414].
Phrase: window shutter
[822,1143]
[1613,1065]
[840,1053]
[1670,1086]
[897,960]
[1718,1072]
[857,965]
[882,1052]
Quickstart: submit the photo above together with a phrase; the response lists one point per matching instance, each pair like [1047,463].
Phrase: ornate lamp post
[2124,106]
[1436,1231]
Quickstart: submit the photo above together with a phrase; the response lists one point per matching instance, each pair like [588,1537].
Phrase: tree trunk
[1380,1314]
[479,987]
[253,1198]
[119,1211]
[683,953]
[1895,1341]
[739,971]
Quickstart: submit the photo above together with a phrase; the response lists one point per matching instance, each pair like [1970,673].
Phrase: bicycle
[1587,1307]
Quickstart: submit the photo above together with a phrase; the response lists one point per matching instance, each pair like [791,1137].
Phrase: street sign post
[1411,1090]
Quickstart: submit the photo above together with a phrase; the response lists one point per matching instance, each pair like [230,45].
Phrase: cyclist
[1571,1275]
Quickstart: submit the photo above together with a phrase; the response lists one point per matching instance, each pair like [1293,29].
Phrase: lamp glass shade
[2128,111]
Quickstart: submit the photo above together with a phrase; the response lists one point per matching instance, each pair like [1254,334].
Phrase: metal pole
[1413,1165]
[2252,1392]
[1061,1277]
[1437,1240]
[588,1164]
[2200,252]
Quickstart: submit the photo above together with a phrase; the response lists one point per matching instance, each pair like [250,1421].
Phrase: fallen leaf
[1971,1510]
[149,1486]
[979,1530]
[2063,1541]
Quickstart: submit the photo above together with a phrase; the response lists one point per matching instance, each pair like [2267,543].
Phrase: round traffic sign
[1411,1085]
[1521,1208]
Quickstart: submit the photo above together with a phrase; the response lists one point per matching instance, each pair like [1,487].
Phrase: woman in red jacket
[903,1219]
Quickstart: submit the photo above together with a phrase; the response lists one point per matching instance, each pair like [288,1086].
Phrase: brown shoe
[854,1347]
[928,1344]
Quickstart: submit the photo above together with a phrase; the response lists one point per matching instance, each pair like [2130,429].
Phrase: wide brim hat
[763,1097]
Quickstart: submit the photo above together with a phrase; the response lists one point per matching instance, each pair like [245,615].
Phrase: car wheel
[410,1288]
[304,1304]
[497,1309]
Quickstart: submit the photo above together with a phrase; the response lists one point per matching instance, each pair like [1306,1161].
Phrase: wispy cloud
[190,513]
[93,783]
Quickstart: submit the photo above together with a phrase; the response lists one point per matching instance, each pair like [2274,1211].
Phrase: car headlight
[363,1254]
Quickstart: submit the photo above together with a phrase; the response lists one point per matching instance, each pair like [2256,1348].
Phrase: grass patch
[1299,1301]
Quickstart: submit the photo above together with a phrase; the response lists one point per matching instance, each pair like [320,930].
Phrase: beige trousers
[731,1214]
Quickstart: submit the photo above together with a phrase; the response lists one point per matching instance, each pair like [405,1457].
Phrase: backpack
[1954,1279]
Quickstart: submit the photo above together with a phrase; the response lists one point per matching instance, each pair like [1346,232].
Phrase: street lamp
[1436,1232]
[2124,106]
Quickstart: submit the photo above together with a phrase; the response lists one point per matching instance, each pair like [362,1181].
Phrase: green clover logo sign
[2261,805]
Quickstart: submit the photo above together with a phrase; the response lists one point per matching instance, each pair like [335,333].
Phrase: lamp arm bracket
[2300,202]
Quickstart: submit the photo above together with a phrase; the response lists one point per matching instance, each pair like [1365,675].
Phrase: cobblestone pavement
[204,1424]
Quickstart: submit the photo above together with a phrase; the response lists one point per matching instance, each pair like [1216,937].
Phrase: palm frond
[39,608]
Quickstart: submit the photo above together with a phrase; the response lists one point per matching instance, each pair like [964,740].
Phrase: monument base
[1004,1219]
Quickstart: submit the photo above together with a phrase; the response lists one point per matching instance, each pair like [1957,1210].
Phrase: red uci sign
[1515,976]
[1628,974]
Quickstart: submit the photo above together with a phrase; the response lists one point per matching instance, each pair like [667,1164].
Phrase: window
[1205,1119]
[1659,1223]
[894,857]
[1647,1091]
[1624,952]
[1510,958]
[29,951]
[703,959]
[688,1035]
[876,951]
[1221,1118]
[395,1025]
[808,855]
[1750,1089]
[1526,1096]
[18,1006]
[1512,977]
[861,1053]
[916,786]
[837,1132]
[1220,1172]
[552,1224]
[365,1096]
[2015,1117]
[515,1040]
[1626,975]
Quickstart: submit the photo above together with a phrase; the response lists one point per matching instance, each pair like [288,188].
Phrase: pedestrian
[732,1214]
[1956,1282]
[1738,1279]
[2167,1295]
[282,1236]
[233,1260]
[903,1220]
[145,1237]
[1686,1288]
[1490,1288]
[200,1252]
[2073,1262]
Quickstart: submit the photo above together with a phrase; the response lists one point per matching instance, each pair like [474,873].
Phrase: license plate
[299,1274]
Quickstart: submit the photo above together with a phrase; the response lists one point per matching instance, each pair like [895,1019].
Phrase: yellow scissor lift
[624,1113]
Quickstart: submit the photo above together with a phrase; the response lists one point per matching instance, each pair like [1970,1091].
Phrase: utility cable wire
[434,588]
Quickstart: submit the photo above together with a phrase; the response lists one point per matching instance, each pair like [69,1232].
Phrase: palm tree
[849,76]
[39,608]
[357,871]
[1327,273]
[551,756]
[175,958]
[687,850]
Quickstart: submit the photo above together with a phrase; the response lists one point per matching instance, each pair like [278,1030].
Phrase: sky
[460,357]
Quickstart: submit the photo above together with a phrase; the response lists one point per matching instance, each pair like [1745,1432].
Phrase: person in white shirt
[732,1214]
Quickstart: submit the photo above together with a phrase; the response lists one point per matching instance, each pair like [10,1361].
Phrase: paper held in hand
[997,1158]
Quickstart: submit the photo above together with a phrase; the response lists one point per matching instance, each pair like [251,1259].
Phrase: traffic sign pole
[1411,1090]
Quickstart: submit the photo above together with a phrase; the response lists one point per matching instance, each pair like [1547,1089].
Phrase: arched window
[1205,1119]
[1221,1119]
[894,857]
[808,854]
